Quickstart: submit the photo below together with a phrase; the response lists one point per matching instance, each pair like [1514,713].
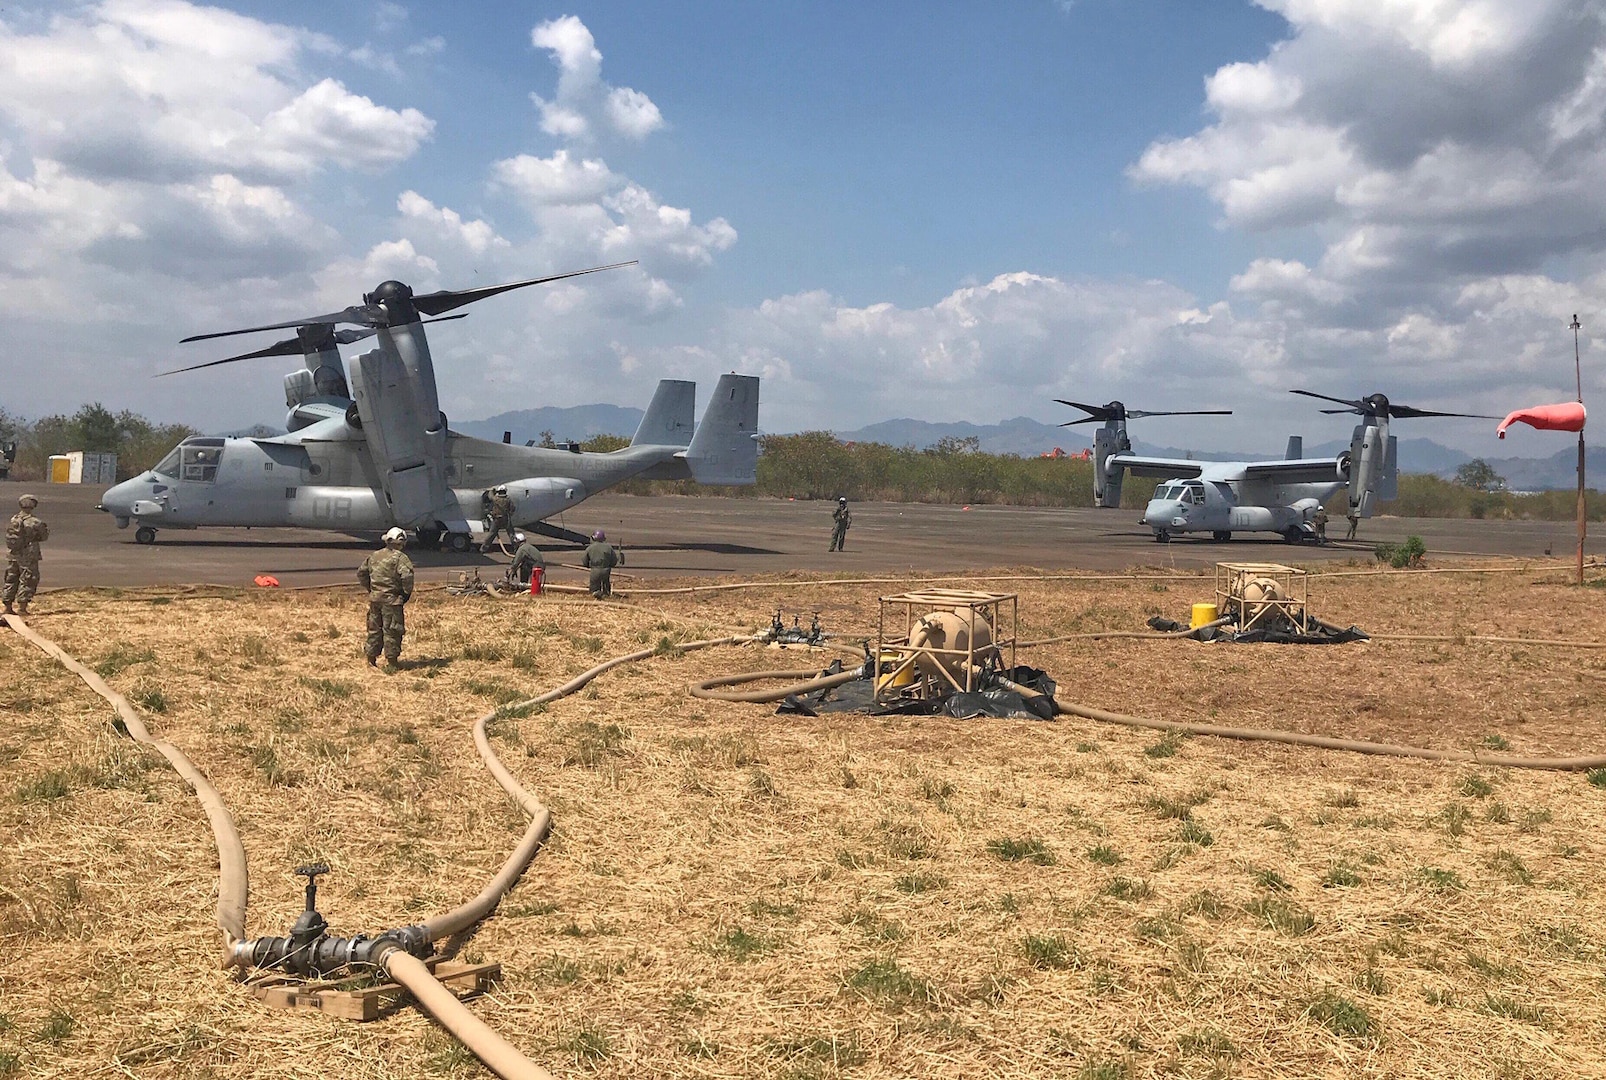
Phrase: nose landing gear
[144,535]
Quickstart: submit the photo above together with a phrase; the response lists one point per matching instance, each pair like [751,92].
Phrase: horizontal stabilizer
[670,415]
[725,448]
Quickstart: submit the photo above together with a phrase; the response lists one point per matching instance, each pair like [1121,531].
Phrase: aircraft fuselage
[330,484]
[1229,506]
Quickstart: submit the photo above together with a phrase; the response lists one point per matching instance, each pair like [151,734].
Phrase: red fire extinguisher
[535,580]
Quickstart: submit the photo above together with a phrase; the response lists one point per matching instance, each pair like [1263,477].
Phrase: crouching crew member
[526,559]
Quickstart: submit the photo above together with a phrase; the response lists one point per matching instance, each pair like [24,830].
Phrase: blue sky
[945,210]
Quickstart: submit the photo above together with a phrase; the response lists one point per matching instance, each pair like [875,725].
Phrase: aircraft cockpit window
[199,463]
[168,466]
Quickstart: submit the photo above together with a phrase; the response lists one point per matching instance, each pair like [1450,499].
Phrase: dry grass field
[730,893]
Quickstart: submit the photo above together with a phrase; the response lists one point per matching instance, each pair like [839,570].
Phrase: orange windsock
[1568,416]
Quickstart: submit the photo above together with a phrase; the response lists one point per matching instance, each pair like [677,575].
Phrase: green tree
[1479,475]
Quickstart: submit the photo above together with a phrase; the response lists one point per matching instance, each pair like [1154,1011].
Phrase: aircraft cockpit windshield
[195,460]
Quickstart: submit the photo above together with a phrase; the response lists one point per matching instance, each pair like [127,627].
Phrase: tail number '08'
[331,509]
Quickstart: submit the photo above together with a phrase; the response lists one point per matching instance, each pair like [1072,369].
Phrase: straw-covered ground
[733,893]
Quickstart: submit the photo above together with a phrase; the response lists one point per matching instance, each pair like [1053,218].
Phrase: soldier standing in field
[388,576]
[841,520]
[23,536]
[499,510]
[600,558]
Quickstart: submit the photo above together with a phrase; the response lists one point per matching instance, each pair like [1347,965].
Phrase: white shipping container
[83,467]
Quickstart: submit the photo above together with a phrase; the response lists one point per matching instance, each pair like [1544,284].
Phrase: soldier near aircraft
[600,558]
[1320,521]
[526,559]
[1354,524]
[499,510]
[24,534]
[841,521]
[388,577]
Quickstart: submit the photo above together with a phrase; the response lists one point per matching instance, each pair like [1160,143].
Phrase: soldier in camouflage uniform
[841,520]
[388,577]
[601,557]
[499,511]
[23,536]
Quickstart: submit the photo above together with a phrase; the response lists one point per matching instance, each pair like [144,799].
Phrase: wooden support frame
[977,608]
[1292,582]
[365,1003]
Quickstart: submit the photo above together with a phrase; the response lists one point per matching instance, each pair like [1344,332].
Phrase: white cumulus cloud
[585,105]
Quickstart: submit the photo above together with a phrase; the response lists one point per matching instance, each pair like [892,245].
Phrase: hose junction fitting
[311,952]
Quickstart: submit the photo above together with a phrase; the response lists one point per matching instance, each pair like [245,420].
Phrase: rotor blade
[1324,397]
[447,300]
[294,347]
[351,337]
[1138,414]
[364,315]
[1335,412]
[1405,412]
[1084,420]
[287,347]
[1094,412]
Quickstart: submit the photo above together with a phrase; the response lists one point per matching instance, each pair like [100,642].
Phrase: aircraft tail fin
[1296,448]
[670,415]
[724,449]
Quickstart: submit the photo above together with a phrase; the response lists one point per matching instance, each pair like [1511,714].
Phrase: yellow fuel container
[1202,614]
[899,681]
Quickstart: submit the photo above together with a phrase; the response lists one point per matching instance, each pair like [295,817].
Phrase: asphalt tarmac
[676,536]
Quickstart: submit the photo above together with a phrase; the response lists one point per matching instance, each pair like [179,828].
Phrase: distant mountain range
[578,423]
[1028,438]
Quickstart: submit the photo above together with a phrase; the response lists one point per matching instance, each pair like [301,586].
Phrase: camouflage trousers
[22,581]
[602,582]
[839,538]
[498,527]
[386,625]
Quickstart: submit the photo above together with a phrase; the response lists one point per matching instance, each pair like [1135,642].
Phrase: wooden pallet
[365,1002]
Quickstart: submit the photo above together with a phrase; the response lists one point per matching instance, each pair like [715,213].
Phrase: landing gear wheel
[144,535]
[1221,536]
[1161,536]
[429,539]
[1292,536]
[459,543]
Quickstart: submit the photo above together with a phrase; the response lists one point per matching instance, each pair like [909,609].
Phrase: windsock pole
[1578,375]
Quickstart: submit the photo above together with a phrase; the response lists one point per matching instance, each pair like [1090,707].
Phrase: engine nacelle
[298,387]
[1343,466]
[540,497]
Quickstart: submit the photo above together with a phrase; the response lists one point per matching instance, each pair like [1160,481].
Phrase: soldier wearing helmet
[387,574]
[527,558]
[498,510]
[1320,521]
[841,521]
[600,558]
[24,534]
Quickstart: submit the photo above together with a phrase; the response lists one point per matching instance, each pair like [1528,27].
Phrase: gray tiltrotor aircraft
[369,448]
[1280,496]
